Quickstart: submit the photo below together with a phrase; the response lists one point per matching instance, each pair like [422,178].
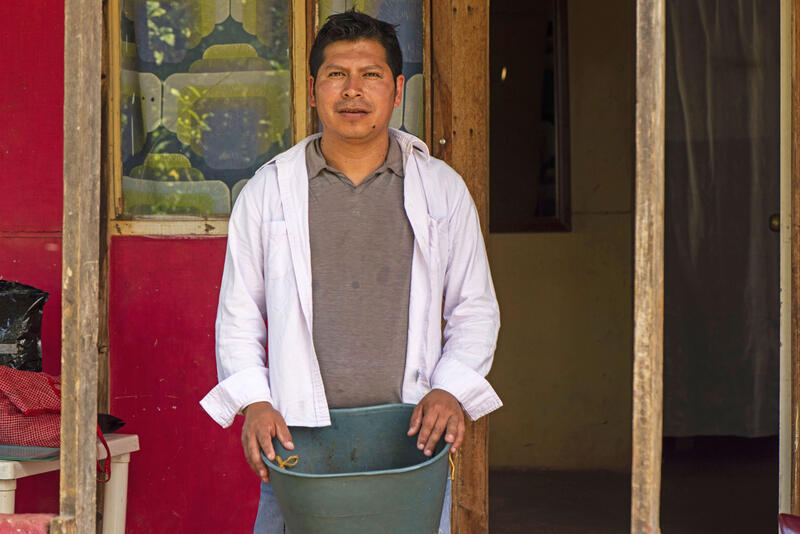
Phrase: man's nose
[352,88]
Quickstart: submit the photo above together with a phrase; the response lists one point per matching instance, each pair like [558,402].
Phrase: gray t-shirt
[361,248]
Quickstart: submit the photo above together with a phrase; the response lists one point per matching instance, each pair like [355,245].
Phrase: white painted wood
[115,491]
[7,491]
[115,496]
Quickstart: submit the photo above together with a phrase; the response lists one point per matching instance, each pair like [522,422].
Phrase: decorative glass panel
[406,15]
[205,100]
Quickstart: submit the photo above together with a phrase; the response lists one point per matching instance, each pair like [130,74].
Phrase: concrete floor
[709,485]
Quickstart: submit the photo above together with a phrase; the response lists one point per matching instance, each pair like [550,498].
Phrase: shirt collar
[315,160]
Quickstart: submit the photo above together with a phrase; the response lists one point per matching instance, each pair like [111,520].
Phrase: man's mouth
[353,112]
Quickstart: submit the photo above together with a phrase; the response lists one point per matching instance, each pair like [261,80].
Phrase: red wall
[190,475]
[31,95]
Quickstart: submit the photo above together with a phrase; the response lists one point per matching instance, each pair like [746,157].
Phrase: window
[529,117]
[205,99]
[204,92]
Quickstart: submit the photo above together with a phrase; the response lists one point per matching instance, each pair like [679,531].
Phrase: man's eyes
[339,74]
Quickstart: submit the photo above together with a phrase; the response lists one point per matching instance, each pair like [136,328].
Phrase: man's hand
[262,422]
[437,411]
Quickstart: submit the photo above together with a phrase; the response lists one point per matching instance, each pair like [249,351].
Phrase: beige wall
[563,361]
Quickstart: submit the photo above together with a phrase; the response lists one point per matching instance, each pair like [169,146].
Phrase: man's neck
[355,160]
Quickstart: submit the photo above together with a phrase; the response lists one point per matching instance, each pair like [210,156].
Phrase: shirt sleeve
[471,313]
[241,331]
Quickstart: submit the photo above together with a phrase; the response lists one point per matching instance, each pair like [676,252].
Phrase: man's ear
[312,100]
[400,84]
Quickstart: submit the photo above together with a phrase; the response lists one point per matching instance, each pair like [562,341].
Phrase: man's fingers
[452,429]
[253,455]
[436,433]
[416,420]
[285,437]
[428,423]
[265,441]
[461,430]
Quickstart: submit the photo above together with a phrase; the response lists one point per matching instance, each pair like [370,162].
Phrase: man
[349,244]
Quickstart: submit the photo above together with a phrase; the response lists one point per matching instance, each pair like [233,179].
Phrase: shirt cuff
[471,389]
[232,395]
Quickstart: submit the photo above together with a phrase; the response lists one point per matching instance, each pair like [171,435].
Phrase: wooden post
[648,330]
[82,127]
[460,136]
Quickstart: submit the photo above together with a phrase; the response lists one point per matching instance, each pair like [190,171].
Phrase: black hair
[353,26]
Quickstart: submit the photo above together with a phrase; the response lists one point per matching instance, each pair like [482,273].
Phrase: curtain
[721,309]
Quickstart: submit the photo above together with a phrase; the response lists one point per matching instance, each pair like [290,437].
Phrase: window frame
[121,224]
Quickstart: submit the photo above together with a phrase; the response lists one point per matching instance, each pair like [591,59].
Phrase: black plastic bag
[108,423]
[21,325]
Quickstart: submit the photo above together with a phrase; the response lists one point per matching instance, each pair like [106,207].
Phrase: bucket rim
[364,409]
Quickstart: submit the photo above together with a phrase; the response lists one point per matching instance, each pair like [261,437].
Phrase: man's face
[354,91]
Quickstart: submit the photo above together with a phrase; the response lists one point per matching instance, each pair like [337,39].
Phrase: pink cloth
[25,523]
[30,408]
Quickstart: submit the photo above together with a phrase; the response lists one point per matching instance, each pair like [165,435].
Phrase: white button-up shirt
[267,277]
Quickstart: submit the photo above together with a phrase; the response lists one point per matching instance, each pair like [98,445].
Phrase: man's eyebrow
[374,66]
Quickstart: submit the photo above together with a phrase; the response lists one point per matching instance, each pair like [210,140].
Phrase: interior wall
[564,357]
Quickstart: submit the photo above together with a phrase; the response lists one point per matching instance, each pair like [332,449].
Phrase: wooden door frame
[458,106]
[458,122]
[790,318]
[648,278]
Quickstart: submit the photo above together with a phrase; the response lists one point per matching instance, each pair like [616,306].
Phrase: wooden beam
[788,185]
[110,148]
[299,55]
[80,264]
[460,136]
[426,73]
[794,148]
[648,330]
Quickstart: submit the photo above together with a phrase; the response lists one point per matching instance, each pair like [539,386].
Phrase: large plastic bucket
[361,475]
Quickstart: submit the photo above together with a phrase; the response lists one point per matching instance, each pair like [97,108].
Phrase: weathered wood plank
[299,70]
[795,255]
[110,147]
[426,72]
[648,267]
[111,98]
[80,263]
[460,136]
[154,226]
[789,188]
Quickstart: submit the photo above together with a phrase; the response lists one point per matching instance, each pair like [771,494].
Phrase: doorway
[563,359]
[721,283]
